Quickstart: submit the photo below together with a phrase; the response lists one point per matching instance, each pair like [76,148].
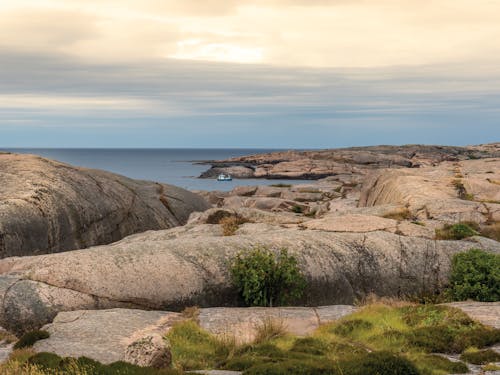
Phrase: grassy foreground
[379,339]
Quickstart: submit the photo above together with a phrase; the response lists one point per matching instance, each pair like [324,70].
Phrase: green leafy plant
[264,278]
[475,275]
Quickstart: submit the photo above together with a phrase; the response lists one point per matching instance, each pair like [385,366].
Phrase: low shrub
[264,278]
[428,364]
[457,231]
[432,339]
[29,339]
[480,357]
[297,209]
[475,275]
[50,363]
[378,363]
[281,185]
[347,327]
[45,360]
[293,367]
[310,345]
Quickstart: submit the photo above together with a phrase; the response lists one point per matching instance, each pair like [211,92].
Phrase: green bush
[29,338]
[480,357]
[266,279]
[457,231]
[475,275]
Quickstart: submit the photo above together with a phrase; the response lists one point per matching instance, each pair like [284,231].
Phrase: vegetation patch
[264,278]
[297,209]
[431,363]
[461,190]
[475,275]
[269,329]
[230,224]
[491,231]
[52,364]
[29,339]
[457,231]
[399,215]
[480,357]
[281,185]
[196,349]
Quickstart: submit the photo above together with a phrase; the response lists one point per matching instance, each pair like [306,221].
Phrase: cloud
[340,33]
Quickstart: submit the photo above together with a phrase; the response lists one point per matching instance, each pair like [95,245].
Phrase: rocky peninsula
[85,248]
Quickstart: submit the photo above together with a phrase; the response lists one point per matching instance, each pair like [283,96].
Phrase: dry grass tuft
[191,313]
[230,224]
[373,299]
[398,215]
[270,328]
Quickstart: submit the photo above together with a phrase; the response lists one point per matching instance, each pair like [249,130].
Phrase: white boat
[224,177]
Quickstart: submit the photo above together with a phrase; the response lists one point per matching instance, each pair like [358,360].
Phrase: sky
[263,73]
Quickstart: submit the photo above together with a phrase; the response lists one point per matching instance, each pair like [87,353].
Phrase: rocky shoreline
[80,246]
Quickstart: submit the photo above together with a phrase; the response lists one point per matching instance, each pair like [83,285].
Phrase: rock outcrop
[452,192]
[113,335]
[188,265]
[345,162]
[47,206]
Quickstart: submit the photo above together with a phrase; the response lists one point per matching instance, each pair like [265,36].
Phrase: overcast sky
[265,73]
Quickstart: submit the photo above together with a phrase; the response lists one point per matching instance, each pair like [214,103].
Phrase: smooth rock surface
[108,336]
[47,206]
[188,266]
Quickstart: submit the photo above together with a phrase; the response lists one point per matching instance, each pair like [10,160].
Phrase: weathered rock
[188,266]
[213,216]
[108,336]
[349,161]
[451,192]
[47,206]
[149,351]
[351,223]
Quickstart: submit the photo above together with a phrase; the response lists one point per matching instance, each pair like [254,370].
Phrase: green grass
[379,339]
[457,231]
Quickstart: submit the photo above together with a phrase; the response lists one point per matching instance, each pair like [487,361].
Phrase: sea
[172,166]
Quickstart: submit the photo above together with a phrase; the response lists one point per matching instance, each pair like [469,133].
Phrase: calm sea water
[172,166]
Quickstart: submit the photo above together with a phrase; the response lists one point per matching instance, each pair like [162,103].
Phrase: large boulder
[188,266]
[47,206]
